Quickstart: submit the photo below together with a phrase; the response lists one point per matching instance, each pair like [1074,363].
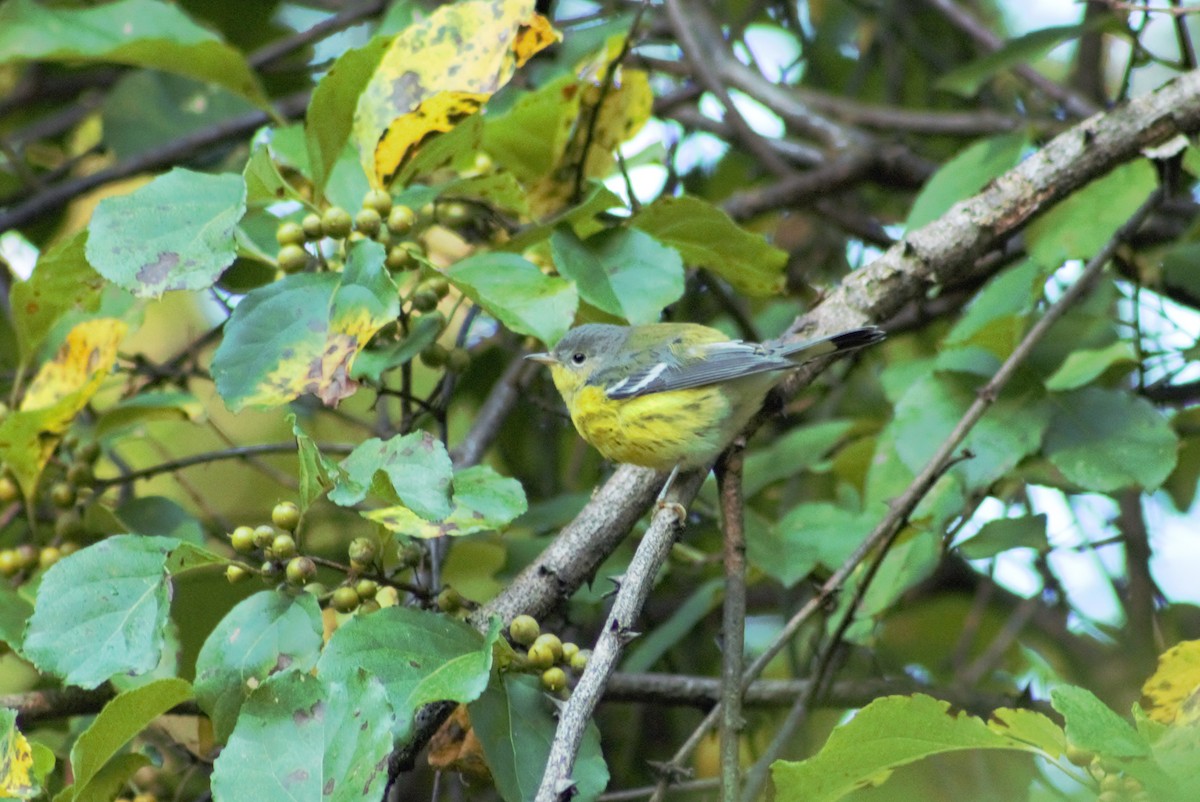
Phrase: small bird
[672,396]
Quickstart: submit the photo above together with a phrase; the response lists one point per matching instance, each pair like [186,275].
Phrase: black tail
[836,344]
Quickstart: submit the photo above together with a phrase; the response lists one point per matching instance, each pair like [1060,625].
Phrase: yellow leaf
[1172,694]
[606,118]
[16,766]
[439,71]
[79,366]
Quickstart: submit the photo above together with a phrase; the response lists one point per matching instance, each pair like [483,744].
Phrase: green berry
[540,656]
[410,554]
[580,660]
[524,630]
[68,525]
[292,258]
[387,596]
[554,679]
[283,547]
[458,360]
[450,600]
[27,556]
[312,226]
[80,474]
[368,606]
[438,285]
[368,222]
[569,651]
[434,355]
[264,536]
[290,233]
[8,489]
[336,223]
[399,258]
[551,642]
[362,552]
[62,495]
[453,214]
[366,588]
[242,539]
[270,569]
[48,556]
[286,515]
[437,318]
[425,300]
[88,452]
[378,200]
[400,220]
[8,562]
[345,599]
[315,589]
[300,570]
[236,573]
[1078,755]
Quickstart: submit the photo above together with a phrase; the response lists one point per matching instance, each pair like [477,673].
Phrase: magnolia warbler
[672,396]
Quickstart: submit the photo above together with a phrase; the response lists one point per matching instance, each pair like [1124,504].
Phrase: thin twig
[241,452]
[733,618]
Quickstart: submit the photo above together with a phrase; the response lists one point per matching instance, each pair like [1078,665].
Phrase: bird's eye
[579,357]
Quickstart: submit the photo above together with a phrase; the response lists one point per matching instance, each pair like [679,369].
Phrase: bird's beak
[545,359]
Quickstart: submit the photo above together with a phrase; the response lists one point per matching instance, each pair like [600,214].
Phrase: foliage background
[169,375]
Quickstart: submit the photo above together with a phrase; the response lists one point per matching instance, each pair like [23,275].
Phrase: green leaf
[175,233]
[62,281]
[1104,440]
[18,775]
[373,363]
[107,783]
[147,110]
[122,718]
[1009,431]
[516,293]
[264,183]
[265,634]
[157,515]
[515,723]
[707,237]
[420,657]
[964,175]
[1002,534]
[15,610]
[967,79]
[145,408]
[301,737]
[483,501]
[798,450]
[102,611]
[301,334]
[552,110]
[811,534]
[141,33]
[330,115]
[316,470]
[998,316]
[582,218]
[1084,221]
[1092,725]
[621,271]
[413,468]
[886,734]
[1086,365]
[1179,268]
[648,649]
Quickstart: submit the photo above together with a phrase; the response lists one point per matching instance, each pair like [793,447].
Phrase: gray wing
[708,363]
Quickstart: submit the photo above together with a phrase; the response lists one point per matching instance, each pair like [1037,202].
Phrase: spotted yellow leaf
[439,71]
[82,362]
[1172,694]
[302,334]
[16,760]
[59,390]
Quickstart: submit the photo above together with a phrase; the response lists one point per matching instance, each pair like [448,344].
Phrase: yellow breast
[660,430]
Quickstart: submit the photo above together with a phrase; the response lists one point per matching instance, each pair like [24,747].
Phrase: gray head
[586,347]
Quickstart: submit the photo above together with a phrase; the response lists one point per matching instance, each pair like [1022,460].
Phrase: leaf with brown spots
[175,233]
[302,333]
[438,72]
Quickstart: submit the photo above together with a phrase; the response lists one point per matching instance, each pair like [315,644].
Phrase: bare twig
[733,618]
